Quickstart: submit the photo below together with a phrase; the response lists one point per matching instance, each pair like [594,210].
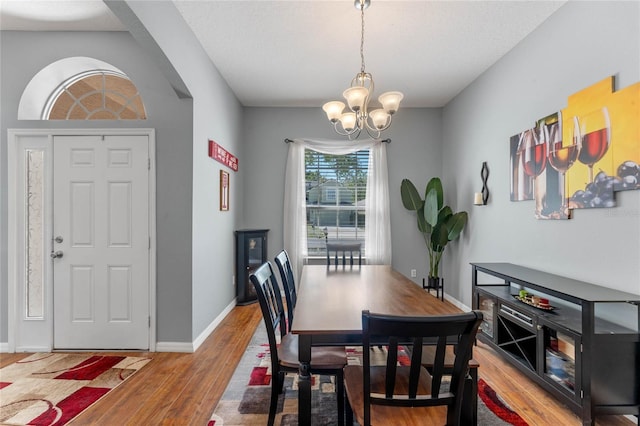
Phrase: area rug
[246,398]
[53,388]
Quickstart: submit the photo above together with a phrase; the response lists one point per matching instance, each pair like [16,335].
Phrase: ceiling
[304,53]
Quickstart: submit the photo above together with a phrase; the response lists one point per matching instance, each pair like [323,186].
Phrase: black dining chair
[288,284]
[381,394]
[284,354]
[340,250]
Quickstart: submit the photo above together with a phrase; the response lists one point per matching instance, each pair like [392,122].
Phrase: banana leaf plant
[437,223]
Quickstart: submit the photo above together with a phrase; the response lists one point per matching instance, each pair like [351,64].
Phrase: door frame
[15,237]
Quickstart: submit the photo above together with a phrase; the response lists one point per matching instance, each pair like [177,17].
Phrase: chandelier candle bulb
[391,101]
[379,118]
[348,121]
[356,98]
[333,110]
[477,199]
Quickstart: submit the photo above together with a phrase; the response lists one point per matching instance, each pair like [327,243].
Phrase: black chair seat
[322,357]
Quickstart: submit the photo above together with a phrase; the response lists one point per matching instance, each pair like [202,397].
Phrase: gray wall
[415,153]
[170,117]
[578,46]
[217,115]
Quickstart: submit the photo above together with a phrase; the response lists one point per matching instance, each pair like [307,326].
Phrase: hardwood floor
[183,389]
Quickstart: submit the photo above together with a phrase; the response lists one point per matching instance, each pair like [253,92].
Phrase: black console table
[583,347]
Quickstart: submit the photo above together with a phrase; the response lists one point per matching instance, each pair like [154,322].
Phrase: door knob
[58,239]
[55,254]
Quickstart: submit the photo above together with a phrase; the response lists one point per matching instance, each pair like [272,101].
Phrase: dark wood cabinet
[584,349]
[251,252]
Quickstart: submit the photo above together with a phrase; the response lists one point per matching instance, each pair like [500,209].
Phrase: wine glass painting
[579,157]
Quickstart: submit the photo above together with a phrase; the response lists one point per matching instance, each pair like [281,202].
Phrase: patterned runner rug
[246,398]
[53,388]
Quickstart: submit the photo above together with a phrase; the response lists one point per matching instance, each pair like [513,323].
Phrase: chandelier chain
[362,38]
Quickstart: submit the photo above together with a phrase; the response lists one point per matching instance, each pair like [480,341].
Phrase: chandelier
[358,95]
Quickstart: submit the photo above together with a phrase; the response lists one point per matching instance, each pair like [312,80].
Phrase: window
[81,88]
[96,95]
[335,188]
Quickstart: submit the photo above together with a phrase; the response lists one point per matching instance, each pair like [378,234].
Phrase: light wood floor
[184,389]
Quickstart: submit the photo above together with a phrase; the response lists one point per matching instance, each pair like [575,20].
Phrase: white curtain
[377,235]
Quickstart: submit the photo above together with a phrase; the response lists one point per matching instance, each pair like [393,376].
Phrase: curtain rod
[388,140]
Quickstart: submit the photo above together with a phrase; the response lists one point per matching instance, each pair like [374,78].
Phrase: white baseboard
[207,331]
[457,303]
[185,347]
[32,349]
[4,347]
[193,346]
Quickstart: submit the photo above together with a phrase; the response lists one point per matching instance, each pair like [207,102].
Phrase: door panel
[101,211]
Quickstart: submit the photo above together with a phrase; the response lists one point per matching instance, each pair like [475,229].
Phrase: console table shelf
[585,350]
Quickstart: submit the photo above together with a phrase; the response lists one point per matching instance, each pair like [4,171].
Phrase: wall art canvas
[578,157]
[607,126]
[522,177]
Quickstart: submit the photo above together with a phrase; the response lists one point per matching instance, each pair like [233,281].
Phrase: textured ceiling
[304,53]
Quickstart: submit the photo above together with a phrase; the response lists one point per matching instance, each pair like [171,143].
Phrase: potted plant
[436,222]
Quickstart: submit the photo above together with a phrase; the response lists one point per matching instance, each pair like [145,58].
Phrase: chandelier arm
[374,135]
[355,135]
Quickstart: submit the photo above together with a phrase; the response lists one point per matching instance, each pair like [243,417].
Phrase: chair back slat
[416,364]
[340,249]
[392,362]
[411,389]
[270,299]
[288,284]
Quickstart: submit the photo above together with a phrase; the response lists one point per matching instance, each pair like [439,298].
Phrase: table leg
[304,380]
[470,398]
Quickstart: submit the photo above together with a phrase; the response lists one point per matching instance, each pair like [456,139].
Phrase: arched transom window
[81,88]
[96,95]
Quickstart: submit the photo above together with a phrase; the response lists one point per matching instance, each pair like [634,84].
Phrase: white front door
[101,242]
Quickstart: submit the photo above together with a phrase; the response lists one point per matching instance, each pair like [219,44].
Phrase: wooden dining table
[330,304]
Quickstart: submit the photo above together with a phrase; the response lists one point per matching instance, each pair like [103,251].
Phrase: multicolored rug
[53,388]
[246,398]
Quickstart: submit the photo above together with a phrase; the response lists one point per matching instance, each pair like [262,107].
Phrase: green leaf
[444,214]
[455,225]
[435,184]
[431,207]
[410,197]
[439,237]
[423,226]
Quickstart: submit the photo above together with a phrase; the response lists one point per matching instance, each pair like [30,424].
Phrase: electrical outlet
[413,273]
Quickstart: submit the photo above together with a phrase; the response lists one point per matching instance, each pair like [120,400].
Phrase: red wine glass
[533,152]
[562,154]
[595,129]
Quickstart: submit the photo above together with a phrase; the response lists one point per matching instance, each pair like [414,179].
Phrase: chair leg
[273,406]
[349,411]
[340,397]
[280,379]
